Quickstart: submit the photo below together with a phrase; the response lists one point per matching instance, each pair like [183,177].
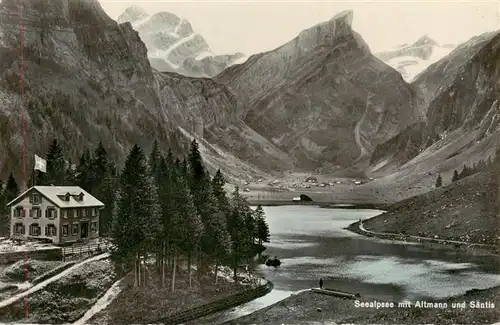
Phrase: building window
[19,229]
[19,212]
[64,213]
[93,227]
[75,230]
[35,198]
[78,213]
[35,230]
[65,230]
[35,213]
[50,230]
[51,213]
[94,212]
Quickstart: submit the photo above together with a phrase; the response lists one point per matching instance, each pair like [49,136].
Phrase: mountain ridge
[173,45]
[321,103]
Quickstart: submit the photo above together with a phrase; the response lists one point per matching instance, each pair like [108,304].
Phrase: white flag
[40,164]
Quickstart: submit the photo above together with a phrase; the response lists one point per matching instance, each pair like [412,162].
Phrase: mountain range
[173,45]
[321,103]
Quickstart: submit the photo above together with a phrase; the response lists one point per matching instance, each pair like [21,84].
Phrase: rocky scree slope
[87,79]
[173,45]
[323,98]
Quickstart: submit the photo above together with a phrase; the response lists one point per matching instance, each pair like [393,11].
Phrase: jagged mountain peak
[165,17]
[425,41]
[411,59]
[324,84]
[132,14]
[328,33]
[344,17]
[174,46]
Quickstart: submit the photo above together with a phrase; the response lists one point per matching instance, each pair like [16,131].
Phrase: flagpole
[34,173]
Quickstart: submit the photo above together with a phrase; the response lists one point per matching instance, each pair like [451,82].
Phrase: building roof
[55,193]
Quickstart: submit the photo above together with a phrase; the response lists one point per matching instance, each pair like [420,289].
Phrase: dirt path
[43,284]
[419,238]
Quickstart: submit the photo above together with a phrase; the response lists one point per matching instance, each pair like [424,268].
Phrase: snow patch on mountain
[411,60]
[174,46]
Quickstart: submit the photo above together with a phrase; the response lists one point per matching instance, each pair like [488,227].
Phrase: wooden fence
[81,251]
[217,306]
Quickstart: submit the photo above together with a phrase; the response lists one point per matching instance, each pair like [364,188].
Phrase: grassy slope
[465,210]
[64,300]
[143,305]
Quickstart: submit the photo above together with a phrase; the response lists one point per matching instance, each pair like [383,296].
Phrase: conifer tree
[237,228]
[439,181]
[99,165]
[189,223]
[56,165]
[4,216]
[154,160]
[98,175]
[220,194]
[84,175]
[167,210]
[455,176]
[136,223]
[262,228]
[70,174]
[11,188]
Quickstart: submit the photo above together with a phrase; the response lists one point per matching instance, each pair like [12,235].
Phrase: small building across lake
[61,214]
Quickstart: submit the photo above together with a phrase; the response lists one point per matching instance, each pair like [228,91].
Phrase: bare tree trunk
[145,270]
[189,262]
[163,266]
[139,270]
[198,265]
[173,270]
[135,271]
[216,269]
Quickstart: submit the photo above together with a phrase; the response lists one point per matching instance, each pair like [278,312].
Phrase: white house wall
[43,221]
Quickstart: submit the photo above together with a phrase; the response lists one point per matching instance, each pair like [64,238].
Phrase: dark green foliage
[304,197]
[84,171]
[220,194]
[4,216]
[160,205]
[11,189]
[56,166]
[439,181]
[262,228]
[241,230]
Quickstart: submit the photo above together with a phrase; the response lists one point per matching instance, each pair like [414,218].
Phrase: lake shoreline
[323,205]
[340,310]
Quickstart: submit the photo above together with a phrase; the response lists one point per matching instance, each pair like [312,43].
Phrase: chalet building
[62,214]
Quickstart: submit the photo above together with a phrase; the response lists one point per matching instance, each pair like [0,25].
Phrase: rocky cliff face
[456,97]
[410,60]
[173,45]
[87,78]
[322,97]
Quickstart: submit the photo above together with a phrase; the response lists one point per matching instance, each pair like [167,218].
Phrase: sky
[261,25]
